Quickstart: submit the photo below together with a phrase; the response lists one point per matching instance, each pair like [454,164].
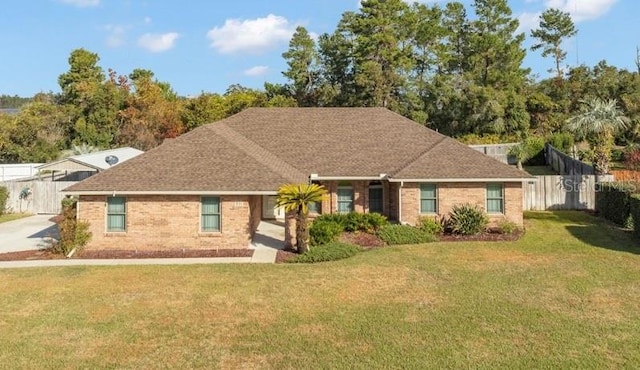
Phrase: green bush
[72,233]
[323,231]
[4,195]
[404,234]
[634,206]
[535,149]
[612,201]
[327,252]
[507,227]
[562,141]
[430,225]
[376,220]
[467,219]
[354,221]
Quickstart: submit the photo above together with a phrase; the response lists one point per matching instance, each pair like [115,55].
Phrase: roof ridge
[258,153]
[420,155]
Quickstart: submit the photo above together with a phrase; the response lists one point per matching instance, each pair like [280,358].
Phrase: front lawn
[566,295]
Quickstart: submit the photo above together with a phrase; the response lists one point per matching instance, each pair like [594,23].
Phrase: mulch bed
[284,255]
[128,254]
[364,240]
[29,255]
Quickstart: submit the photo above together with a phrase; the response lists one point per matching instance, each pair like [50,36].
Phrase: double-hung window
[345,199]
[210,214]
[428,198]
[495,198]
[116,214]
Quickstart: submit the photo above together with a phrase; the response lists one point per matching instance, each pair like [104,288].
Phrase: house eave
[478,179]
[173,192]
[315,176]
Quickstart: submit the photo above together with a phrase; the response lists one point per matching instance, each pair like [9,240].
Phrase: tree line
[435,64]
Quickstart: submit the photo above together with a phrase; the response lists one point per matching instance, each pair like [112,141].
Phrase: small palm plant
[297,198]
[598,122]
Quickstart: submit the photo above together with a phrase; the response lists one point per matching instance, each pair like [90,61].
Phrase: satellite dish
[111,159]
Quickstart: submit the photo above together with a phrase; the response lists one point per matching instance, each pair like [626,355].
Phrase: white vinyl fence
[37,196]
[570,192]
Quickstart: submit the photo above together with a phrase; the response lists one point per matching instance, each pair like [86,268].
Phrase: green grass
[13,216]
[567,295]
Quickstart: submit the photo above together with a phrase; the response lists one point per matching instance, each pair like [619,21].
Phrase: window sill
[115,234]
[210,234]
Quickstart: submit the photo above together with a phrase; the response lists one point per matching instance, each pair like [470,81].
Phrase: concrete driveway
[29,233]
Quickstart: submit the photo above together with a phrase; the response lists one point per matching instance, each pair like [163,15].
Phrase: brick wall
[157,222]
[360,196]
[450,194]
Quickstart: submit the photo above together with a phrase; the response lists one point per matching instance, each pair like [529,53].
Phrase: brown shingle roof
[262,148]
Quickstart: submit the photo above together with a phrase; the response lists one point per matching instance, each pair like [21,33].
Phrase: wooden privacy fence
[498,151]
[564,164]
[560,192]
[41,196]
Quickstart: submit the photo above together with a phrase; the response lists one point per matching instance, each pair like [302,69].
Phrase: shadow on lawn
[591,230]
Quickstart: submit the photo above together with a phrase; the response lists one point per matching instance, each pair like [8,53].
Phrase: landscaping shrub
[430,225]
[354,221]
[376,220]
[323,231]
[612,201]
[73,233]
[467,219]
[562,141]
[327,252]
[507,227]
[634,207]
[404,234]
[4,195]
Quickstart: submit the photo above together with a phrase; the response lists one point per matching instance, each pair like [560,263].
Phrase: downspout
[400,203]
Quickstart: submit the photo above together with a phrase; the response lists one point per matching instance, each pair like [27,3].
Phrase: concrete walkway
[268,239]
[29,233]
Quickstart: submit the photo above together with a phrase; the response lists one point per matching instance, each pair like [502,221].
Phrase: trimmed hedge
[4,195]
[327,252]
[613,201]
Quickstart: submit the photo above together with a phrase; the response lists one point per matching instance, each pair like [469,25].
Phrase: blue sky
[207,45]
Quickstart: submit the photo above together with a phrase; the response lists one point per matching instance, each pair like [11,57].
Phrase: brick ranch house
[211,187]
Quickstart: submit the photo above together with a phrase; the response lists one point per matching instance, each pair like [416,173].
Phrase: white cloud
[251,35]
[528,21]
[116,35]
[256,71]
[156,43]
[81,3]
[582,10]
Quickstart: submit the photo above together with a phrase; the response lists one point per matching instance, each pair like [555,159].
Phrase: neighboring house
[207,188]
[81,166]
[12,172]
